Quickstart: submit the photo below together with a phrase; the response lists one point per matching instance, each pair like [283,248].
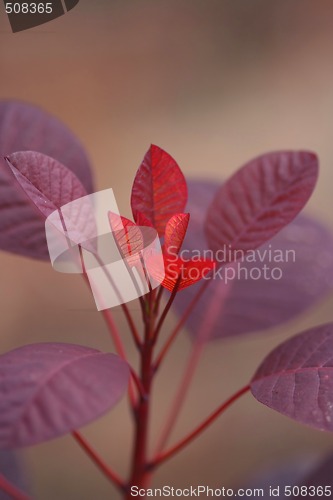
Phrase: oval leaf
[185,273]
[26,127]
[47,390]
[142,220]
[296,378]
[259,200]
[243,304]
[49,186]
[128,237]
[159,189]
[175,232]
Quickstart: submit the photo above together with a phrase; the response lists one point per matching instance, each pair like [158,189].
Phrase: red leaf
[260,199]
[49,185]
[128,237]
[175,232]
[47,390]
[190,272]
[159,189]
[142,220]
[296,378]
[26,127]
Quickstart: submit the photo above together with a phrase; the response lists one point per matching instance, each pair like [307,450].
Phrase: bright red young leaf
[128,236]
[159,189]
[26,127]
[260,199]
[142,220]
[175,233]
[47,390]
[296,378]
[185,272]
[49,185]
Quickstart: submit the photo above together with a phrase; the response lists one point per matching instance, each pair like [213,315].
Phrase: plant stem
[124,307]
[179,326]
[11,489]
[107,471]
[137,381]
[162,457]
[119,346]
[166,309]
[204,332]
[139,474]
[180,397]
[114,333]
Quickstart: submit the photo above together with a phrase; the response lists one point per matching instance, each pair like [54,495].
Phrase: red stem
[115,336]
[166,309]
[119,348]
[139,474]
[11,489]
[180,397]
[137,382]
[179,326]
[162,457]
[124,307]
[205,329]
[158,298]
[132,326]
[107,471]
[114,333]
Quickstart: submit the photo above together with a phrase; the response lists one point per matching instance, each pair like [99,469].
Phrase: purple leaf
[276,476]
[159,190]
[320,477]
[259,200]
[26,127]
[296,378]
[49,186]
[46,182]
[12,468]
[244,304]
[47,390]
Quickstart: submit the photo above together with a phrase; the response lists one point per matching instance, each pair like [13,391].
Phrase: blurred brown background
[215,83]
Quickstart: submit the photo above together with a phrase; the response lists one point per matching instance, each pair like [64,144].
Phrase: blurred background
[214,83]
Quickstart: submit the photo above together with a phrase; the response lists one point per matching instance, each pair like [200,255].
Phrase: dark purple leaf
[159,190]
[296,378]
[320,477]
[250,305]
[47,390]
[26,127]
[12,468]
[259,200]
[276,476]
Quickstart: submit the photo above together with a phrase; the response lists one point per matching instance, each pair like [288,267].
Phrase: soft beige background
[214,82]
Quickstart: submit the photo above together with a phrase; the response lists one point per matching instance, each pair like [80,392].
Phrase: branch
[162,457]
[107,471]
[11,489]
